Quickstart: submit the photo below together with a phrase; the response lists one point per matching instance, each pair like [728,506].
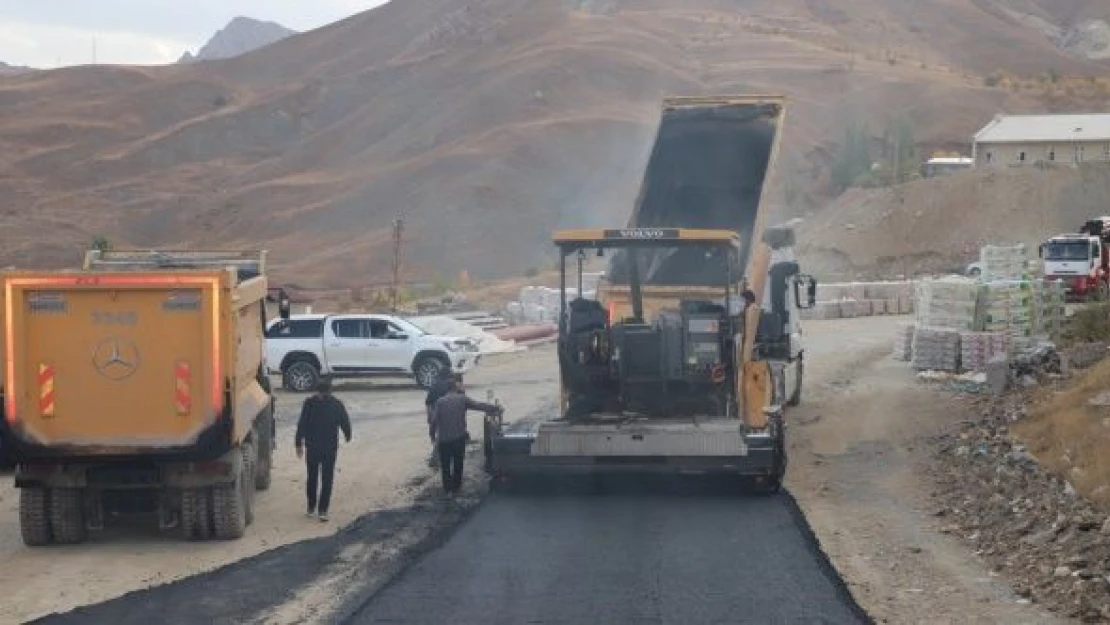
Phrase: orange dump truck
[136,387]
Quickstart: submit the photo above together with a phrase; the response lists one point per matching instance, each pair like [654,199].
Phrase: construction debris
[1027,522]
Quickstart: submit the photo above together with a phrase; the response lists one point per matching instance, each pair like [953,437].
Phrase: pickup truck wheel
[229,509]
[427,370]
[301,377]
[67,516]
[34,517]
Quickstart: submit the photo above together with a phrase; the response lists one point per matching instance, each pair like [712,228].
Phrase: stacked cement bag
[951,302]
[1004,263]
[978,348]
[903,342]
[1008,309]
[936,349]
[1048,308]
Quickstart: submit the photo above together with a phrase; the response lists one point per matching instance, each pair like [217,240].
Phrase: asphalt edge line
[391,571]
[828,569]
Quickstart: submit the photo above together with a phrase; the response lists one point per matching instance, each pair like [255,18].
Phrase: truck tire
[249,466]
[67,516]
[264,465]
[796,396]
[196,521]
[427,370]
[229,514]
[300,377]
[34,517]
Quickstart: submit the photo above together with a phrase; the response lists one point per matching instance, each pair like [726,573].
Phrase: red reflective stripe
[46,390]
[182,393]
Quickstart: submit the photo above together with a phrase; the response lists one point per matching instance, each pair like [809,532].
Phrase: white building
[940,165]
[1013,140]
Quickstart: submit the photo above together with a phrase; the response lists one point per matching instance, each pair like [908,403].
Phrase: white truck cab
[306,347]
[1081,260]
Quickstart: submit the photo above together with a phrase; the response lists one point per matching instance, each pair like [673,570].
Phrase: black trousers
[451,455]
[321,467]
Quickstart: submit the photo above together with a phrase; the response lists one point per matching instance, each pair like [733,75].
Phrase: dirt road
[383,468]
[854,470]
[859,461]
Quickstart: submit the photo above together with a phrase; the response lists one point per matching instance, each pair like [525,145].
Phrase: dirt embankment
[939,224]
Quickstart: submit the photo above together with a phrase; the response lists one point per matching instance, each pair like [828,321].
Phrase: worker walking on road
[448,426]
[437,390]
[322,417]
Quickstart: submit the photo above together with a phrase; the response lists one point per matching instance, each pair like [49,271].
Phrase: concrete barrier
[848,300]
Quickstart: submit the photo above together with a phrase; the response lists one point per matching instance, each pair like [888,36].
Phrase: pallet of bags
[1050,312]
[903,342]
[936,349]
[978,348]
[949,302]
[1004,262]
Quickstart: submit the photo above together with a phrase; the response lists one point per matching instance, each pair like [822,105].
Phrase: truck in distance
[1081,260]
[136,385]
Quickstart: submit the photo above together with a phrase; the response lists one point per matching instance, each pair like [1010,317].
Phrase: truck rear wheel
[264,465]
[195,518]
[67,516]
[229,513]
[249,467]
[34,517]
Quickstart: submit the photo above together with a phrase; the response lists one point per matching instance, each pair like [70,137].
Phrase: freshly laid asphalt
[686,556]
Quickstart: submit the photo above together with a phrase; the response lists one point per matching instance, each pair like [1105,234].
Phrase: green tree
[854,158]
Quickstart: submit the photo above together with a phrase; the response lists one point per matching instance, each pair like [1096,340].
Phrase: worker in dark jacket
[449,429]
[437,390]
[322,417]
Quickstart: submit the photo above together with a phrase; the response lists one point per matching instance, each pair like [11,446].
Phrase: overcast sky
[49,33]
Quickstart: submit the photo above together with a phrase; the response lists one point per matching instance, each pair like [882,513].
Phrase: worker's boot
[433,458]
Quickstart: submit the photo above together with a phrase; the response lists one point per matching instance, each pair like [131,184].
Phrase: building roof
[950,160]
[1045,128]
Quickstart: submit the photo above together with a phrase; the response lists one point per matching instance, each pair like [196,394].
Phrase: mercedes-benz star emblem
[116,358]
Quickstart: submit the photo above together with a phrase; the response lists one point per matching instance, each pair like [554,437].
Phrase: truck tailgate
[113,361]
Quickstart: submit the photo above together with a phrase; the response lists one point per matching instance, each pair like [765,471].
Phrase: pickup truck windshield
[1067,251]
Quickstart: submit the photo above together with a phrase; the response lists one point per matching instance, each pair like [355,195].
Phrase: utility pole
[398,231]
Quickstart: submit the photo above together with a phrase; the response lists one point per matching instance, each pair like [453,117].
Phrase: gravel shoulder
[861,446]
[383,469]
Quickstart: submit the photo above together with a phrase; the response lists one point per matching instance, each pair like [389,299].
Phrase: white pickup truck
[306,347]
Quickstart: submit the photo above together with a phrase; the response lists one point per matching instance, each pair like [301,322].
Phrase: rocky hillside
[240,36]
[485,123]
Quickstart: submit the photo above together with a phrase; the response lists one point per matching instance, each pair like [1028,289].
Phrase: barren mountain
[241,35]
[11,70]
[485,123]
